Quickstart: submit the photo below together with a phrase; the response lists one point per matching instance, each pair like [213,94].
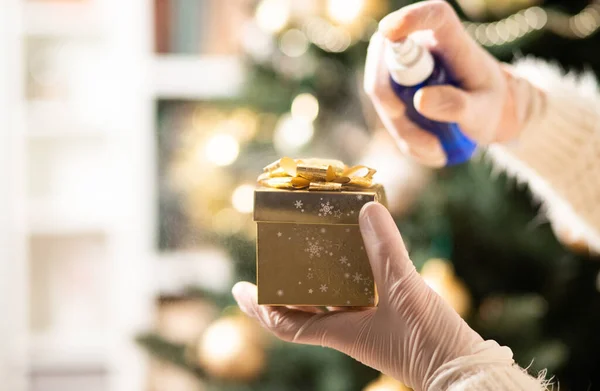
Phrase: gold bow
[315,174]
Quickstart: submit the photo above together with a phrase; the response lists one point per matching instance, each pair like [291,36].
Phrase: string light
[327,36]
[293,43]
[525,22]
[337,40]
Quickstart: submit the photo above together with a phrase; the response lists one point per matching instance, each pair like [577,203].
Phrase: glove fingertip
[245,295]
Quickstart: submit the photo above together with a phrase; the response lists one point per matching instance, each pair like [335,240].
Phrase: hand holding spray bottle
[411,68]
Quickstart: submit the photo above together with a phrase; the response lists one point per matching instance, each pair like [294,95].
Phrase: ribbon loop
[315,174]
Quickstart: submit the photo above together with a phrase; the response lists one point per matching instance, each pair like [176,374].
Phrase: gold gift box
[310,250]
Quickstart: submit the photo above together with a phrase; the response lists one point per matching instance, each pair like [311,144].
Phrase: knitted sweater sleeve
[510,378]
[558,152]
[489,367]
[558,156]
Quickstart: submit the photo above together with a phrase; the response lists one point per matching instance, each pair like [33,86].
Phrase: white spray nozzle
[405,52]
[409,63]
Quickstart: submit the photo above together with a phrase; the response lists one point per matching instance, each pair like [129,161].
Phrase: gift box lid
[313,207]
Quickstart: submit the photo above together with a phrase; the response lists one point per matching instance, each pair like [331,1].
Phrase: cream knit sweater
[558,156]
[558,153]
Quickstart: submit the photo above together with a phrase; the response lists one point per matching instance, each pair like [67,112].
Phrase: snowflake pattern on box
[318,265]
[312,248]
[326,209]
[317,261]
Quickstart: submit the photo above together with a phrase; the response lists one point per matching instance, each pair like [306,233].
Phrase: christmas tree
[477,237]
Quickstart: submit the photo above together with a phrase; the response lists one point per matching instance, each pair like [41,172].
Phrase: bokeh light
[385,383]
[242,124]
[293,43]
[242,198]
[291,134]
[536,17]
[222,149]
[305,106]
[223,340]
[273,15]
[232,348]
[227,221]
[256,42]
[381,387]
[344,11]
[336,40]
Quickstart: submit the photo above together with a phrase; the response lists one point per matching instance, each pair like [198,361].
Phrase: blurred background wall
[132,135]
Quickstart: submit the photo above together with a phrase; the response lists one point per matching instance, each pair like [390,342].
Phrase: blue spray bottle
[411,68]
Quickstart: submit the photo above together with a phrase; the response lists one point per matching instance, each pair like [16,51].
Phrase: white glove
[413,335]
[492,104]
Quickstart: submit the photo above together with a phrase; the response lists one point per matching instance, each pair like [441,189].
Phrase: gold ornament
[233,348]
[182,320]
[440,277]
[386,383]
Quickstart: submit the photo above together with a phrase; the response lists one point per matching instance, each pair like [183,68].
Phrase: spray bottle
[412,67]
